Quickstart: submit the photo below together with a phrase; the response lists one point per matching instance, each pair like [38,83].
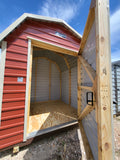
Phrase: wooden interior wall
[65,86]
[68,74]
[55,82]
[74,87]
[45,80]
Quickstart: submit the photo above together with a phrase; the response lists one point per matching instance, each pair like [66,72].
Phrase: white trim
[27,89]
[2,69]
[53,45]
[37,17]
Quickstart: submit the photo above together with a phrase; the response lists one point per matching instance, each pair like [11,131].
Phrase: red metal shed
[48,83]
[47,36]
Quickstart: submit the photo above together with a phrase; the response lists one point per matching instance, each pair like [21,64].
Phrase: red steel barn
[52,78]
[39,75]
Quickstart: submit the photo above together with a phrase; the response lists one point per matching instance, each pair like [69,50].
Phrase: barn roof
[36,17]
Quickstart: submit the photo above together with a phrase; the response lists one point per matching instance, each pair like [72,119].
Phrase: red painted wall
[13,104]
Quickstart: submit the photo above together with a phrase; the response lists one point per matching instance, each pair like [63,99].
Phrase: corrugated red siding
[13,104]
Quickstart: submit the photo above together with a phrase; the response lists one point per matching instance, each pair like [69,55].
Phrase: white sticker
[20,79]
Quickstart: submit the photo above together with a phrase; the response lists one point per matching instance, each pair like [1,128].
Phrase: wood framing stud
[86,111]
[86,87]
[90,71]
[103,69]
[29,89]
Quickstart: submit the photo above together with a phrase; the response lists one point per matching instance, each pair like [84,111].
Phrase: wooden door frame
[33,42]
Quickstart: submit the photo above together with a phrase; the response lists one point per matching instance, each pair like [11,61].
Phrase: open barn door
[94,82]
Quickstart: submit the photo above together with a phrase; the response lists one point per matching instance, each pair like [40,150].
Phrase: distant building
[116,87]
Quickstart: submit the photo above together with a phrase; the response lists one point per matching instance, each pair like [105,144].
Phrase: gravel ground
[63,146]
[117,137]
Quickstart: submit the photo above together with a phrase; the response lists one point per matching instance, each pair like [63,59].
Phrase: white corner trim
[27,89]
[2,69]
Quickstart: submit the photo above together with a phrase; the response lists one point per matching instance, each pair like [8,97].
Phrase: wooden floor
[49,114]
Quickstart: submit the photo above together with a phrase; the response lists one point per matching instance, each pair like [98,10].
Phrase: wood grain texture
[49,114]
[86,87]
[29,79]
[103,69]
[86,111]
[52,47]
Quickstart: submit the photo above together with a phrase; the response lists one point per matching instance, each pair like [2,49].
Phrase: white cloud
[62,9]
[115,35]
[115,55]
[115,27]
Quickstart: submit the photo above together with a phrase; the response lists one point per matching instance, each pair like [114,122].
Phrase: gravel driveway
[63,146]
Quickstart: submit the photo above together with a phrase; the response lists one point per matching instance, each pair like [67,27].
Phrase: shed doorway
[53,99]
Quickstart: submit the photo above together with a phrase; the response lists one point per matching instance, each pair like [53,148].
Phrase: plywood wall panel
[74,87]
[55,82]
[65,86]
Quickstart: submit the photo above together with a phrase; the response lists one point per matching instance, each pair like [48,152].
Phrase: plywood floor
[49,114]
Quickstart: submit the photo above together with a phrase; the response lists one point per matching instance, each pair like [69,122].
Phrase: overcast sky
[74,12]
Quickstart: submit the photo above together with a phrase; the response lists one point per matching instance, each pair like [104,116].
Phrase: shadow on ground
[63,145]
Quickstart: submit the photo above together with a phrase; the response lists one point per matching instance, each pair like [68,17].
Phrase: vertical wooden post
[69,86]
[103,68]
[49,80]
[78,85]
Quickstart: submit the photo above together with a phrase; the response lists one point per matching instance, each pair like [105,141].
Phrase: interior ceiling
[54,56]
